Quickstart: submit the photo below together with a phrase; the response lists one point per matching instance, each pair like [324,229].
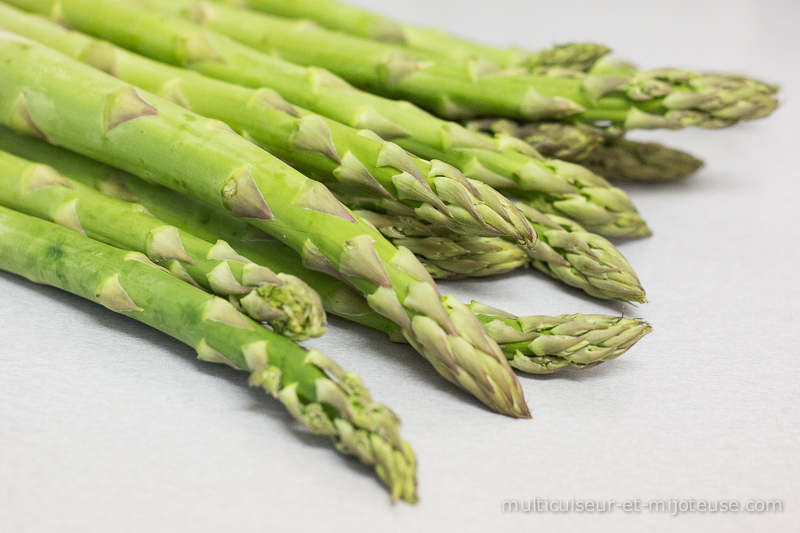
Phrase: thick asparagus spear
[339,298]
[81,108]
[665,98]
[361,23]
[561,188]
[283,301]
[602,151]
[319,147]
[314,389]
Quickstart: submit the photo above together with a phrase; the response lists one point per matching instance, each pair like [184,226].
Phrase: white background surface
[106,425]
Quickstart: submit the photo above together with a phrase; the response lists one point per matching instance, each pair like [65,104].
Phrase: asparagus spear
[446,256]
[621,159]
[338,297]
[319,147]
[561,140]
[578,57]
[602,151]
[283,301]
[544,344]
[565,251]
[314,389]
[665,98]
[561,188]
[361,23]
[81,108]
[581,259]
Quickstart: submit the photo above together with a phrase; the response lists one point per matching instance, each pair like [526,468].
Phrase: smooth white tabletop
[106,425]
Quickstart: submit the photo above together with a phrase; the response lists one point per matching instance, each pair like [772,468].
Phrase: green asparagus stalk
[338,297]
[561,188]
[283,301]
[603,151]
[665,98]
[361,23]
[81,108]
[576,258]
[314,389]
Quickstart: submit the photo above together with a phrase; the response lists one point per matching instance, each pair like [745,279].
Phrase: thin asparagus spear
[318,147]
[81,108]
[361,23]
[665,98]
[561,188]
[545,344]
[604,152]
[283,301]
[338,297]
[314,389]
[613,67]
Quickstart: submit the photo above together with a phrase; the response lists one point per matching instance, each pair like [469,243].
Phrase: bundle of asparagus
[124,194]
[553,187]
[718,100]
[164,148]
